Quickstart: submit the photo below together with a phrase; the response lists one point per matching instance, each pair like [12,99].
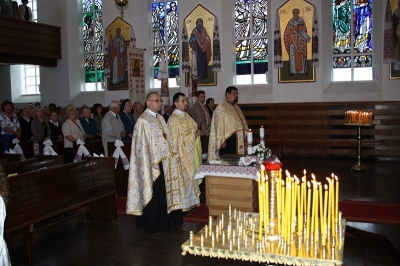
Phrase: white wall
[62,84]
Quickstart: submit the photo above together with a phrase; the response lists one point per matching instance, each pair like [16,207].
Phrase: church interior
[304,120]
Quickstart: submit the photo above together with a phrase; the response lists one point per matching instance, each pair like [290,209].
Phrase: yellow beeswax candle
[337,200]
[328,221]
[325,212]
[308,210]
[266,205]
[313,207]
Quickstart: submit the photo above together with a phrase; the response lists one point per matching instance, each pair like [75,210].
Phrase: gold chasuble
[151,144]
[227,120]
[183,129]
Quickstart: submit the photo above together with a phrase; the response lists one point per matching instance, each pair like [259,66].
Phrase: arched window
[93,52]
[352,40]
[251,41]
[165,32]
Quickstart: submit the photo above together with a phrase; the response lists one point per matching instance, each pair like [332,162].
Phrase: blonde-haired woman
[72,130]
[40,128]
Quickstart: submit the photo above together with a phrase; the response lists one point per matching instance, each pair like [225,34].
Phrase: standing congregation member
[168,109]
[138,109]
[40,128]
[25,122]
[200,113]
[55,127]
[185,135]
[89,125]
[210,106]
[127,119]
[98,115]
[154,192]
[228,126]
[72,130]
[25,11]
[10,127]
[111,126]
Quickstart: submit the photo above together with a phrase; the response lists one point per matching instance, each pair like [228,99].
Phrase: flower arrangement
[261,151]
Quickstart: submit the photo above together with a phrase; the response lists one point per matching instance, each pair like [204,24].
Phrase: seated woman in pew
[40,129]
[56,130]
[10,127]
[72,130]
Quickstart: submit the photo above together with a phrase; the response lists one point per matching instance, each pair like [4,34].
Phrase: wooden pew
[40,162]
[317,129]
[121,175]
[7,158]
[40,195]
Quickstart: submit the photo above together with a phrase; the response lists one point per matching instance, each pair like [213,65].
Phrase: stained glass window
[352,40]
[251,41]
[165,31]
[93,54]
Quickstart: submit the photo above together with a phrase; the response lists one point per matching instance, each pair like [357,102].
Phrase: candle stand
[359,166]
[234,235]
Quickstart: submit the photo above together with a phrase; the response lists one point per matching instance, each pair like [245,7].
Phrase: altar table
[230,183]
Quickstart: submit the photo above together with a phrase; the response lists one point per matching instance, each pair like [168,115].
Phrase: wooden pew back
[317,129]
[40,162]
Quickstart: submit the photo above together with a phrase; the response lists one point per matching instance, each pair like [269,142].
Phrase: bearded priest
[228,127]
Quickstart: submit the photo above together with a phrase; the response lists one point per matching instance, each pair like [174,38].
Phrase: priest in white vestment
[185,134]
[154,191]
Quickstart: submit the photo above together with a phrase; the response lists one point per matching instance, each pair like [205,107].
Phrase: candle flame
[332,175]
[337,178]
[308,184]
[283,183]
[287,173]
[326,187]
[329,180]
[313,176]
[304,172]
[262,167]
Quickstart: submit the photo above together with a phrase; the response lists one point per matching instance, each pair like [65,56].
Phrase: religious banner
[136,74]
[163,77]
[296,42]
[118,37]
[201,23]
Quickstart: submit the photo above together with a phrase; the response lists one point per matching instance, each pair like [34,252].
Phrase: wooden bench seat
[40,195]
[7,158]
[40,162]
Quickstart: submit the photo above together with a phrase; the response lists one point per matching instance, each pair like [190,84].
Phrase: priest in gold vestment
[154,190]
[228,127]
[185,134]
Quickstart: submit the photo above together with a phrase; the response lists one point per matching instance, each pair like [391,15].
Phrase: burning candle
[337,199]
[262,132]
[308,210]
[324,215]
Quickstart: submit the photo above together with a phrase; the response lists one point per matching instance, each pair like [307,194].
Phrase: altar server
[228,127]
[185,134]
[154,191]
